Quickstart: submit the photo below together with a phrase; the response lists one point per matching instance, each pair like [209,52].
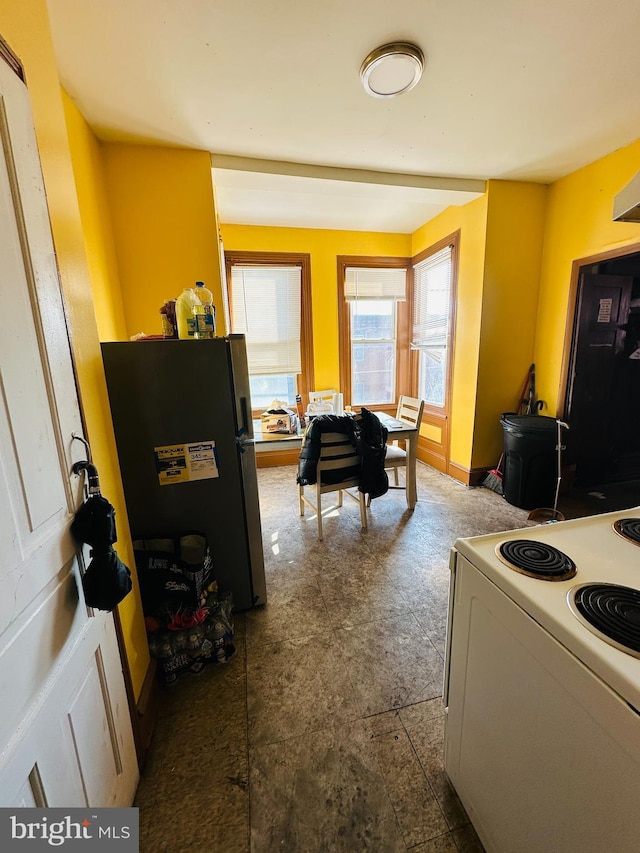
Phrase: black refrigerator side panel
[242,388]
[241,384]
[254,524]
[165,393]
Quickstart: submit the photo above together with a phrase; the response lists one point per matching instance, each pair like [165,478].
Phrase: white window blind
[265,305]
[432,300]
[375,283]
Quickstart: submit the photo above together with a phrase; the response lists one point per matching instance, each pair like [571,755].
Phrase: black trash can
[530,460]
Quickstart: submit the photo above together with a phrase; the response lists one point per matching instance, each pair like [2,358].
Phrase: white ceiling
[512,90]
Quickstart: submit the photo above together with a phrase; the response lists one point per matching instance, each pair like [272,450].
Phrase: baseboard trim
[460,473]
[477,475]
[147,711]
[435,460]
[275,458]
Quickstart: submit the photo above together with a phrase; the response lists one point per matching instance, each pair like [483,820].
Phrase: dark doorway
[603,389]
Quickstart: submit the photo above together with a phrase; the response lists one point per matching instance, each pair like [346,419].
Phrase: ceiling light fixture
[392,69]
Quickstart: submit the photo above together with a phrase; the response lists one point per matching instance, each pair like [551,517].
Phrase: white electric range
[542,739]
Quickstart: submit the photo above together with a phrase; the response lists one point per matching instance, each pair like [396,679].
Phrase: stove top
[536,559]
[628,528]
[612,611]
[595,552]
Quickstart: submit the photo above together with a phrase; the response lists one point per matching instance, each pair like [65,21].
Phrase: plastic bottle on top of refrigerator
[164,320]
[185,317]
[168,318]
[204,312]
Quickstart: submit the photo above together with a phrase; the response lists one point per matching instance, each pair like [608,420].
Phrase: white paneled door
[65,728]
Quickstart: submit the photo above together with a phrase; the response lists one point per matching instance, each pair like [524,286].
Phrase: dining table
[396,430]
[400,430]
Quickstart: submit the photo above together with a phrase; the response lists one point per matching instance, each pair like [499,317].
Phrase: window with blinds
[371,283]
[372,295]
[266,308]
[432,287]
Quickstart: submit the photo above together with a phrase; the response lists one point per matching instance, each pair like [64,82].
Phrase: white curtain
[432,301]
[265,306]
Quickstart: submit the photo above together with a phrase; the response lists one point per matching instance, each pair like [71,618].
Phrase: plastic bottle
[164,321]
[171,317]
[204,313]
[301,417]
[185,317]
[168,317]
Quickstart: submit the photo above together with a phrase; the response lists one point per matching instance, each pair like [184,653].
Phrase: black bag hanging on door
[107,580]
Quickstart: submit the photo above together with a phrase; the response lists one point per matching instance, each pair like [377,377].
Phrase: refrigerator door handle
[246,423]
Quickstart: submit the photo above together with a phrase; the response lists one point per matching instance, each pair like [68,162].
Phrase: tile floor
[324,733]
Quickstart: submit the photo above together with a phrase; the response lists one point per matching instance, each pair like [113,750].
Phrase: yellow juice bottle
[185,317]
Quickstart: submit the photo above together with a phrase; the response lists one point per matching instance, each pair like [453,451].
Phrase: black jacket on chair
[372,445]
[368,436]
[310,451]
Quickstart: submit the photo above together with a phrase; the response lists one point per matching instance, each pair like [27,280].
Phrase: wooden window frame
[430,449]
[452,240]
[306,380]
[403,362]
[11,59]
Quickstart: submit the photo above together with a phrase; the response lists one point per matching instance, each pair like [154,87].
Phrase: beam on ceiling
[336,173]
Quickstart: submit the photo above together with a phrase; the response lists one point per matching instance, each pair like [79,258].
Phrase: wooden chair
[336,454]
[409,411]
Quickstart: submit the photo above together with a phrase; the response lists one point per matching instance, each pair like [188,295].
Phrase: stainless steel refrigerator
[182,420]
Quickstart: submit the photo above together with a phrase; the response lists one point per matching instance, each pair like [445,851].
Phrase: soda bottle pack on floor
[204,312]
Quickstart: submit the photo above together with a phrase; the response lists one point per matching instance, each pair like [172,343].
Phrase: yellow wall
[26,29]
[499,268]
[323,247]
[471,220]
[578,225]
[513,252]
[164,224]
[88,169]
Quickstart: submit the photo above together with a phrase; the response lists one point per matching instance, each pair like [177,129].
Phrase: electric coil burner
[536,560]
[628,528]
[610,611]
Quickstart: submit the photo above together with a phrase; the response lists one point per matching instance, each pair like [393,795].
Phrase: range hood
[626,204]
